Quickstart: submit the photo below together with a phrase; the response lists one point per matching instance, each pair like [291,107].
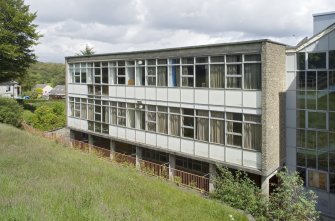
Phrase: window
[77,107]
[162,76]
[77,73]
[151,75]
[83,72]
[174,72]
[252,132]
[140,117]
[217,132]
[131,115]
[113,112]
[316,60]
[252,76]
[187,72]
[83,112]
[71,100]
[151,118]
[104,73]
[217,75]
[317,180]
[162,120]
[97,73]
[121,73]
[317,120]
[130,73]
[140,72]
[301,80]
[234,71]
[201,72]
[112,72]
[97,110]
[331,59]
[201,125]
[188,123]
[105,112]
[121,114]
[174,121]
[301,60]
[234,129]
[90,109]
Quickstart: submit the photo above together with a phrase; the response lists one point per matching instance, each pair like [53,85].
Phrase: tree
[17,36]
[87,51]
[291,201]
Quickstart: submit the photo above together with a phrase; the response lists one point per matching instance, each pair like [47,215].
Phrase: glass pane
[234,82]
[188,60]
[322,100]
[201,129]
[331,121]
[311,139]
[301,138]
[301,119]
[234,58]
[317,180]
[252,136]
[311,97]
[252,57]
[301,158]
[311,159]
[217,75]
[301,80]
[252,76]
[323,161]
[201,76]
[332,101]
[317,120]
[217,59]
[217,131]
[301,99]
[322,142]
[162,77]
[187,70]
[234,127]
[187,132]
[235,140]
[234,116]
[311,80]
[322,80]
[331,59]
[234,69]
[188,121]
[201,60]
[332,162]
[316,60]
[301,61]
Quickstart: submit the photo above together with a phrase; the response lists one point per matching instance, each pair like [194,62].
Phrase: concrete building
[10,89]
[190,107]
[310,111]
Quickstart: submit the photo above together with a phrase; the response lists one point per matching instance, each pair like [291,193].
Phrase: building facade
[310,111]
[10,89]
[189,107]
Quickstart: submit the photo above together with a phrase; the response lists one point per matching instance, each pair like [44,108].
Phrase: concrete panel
[112,131]
[217,97]
[252,99]
[162,94]
[84,125]
[186,95]
[150,138]
[234,155]
[252,159]
[290,62]
[291,139]
[70,89]
[187,146]
[112,91]
[174,94]
[121,91]
[291,83]
[80,89]
[121,132]
[130,92]
[252,111]
[201,149]
[140,93]
[217,152]
[140,136]
[291,118]
[311,48]
[322,43]
[70,122]
[150,93]
[291,100]
[201,96]
[331,37]
[162,141]
[234,98]
[291,154]
[174,144]
[131,134]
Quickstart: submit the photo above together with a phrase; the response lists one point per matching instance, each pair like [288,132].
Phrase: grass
[41,180]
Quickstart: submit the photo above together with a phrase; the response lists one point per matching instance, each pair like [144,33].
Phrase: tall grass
[40,180]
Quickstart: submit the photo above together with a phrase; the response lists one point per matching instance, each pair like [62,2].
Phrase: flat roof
[178,48]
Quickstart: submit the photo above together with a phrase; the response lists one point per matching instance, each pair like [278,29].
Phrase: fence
[200,183]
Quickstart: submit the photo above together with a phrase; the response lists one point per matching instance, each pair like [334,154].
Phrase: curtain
[131,118]
[234,82]
[175,125]
[252,136]
[113,115]
[252,76]
[217,131]
[83,112]
[90,112]
[162,76]
[202,129]
[217,76]
[162,123]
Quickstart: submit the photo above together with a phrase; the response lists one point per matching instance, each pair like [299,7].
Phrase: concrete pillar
[138,157]
[265,185]
[112,149]
[172,166]
[90,142]
[71,137]
[212,174]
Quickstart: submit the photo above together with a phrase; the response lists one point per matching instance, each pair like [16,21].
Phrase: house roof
[58,90]
[9,83]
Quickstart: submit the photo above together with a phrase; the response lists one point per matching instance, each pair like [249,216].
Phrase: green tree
[10,112]
[291,201]
[17,36]
[87,51]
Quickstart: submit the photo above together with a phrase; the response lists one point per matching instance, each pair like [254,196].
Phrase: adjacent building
[10,89]
[45,87]
[58,92]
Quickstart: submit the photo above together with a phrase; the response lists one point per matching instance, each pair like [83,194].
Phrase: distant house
[45,87]
[10,89]
[57,92]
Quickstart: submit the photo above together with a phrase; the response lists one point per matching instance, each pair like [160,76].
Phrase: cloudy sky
[116,25]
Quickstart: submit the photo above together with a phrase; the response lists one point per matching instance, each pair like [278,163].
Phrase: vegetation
[87,51]
[40,180]
[10,112]
[289,202]
[40,73]
[46,115]
[17,36]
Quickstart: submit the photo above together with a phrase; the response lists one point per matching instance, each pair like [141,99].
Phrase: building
[10,89]
[310,111]
[45,87]
[58,92]
[189,108]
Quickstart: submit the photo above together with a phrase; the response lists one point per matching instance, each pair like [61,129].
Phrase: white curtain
[90,112]
[131,118]
[175,125]
[252,76]
[162,123]
[217,131]
[217,76]
[162,76]
[202,129]
[252,136]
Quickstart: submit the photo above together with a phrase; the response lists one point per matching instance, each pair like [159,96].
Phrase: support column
[172,166]
[112,149]
[138,157]
[212,174]
[265,185]
[90,142]
[71,137]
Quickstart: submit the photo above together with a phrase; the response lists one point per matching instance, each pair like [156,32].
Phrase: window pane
[322,100]
[301,158]
[301,119]
[311,97]
[316,60]
[301,99]
[217,76]
[332,162]
[311,80]
[252,76]
[162,123]
[188,60]
[252,57]
[162,76]
[323,161]
[234,69]
[332,101]
[317,120]
[201,60]
[322,80]
[235,140]
[188,132]
[311,159]
[201,75]
[217,59]
[331,121]
[301,138]
[174,125]
[317,180]
[252,136]
[234,82]
[202,129]
[217,131]
[301,80]
[234,127]
[311,139]
[234,116]
[301,61]
[234,58]
[331,59]
[188,121]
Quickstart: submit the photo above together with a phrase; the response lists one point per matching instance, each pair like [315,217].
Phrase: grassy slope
[40,180]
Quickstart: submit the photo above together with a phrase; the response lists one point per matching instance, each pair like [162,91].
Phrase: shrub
[10,112]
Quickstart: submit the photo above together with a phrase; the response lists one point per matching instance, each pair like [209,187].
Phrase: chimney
[322,20]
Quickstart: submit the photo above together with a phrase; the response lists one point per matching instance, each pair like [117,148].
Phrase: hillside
[41,72]
[41,180]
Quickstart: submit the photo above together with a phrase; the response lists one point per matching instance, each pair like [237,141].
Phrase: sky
[111,26]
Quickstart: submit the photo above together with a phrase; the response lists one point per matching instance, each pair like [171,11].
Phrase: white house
[45,87]
[10,89]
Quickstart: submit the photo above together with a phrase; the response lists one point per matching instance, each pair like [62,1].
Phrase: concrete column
[265,185]
[71,137]
[112,149]
[90,142]
[212,174]
[138,157]
[172,166]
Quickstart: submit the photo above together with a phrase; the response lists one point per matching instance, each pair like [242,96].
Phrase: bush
[10,112]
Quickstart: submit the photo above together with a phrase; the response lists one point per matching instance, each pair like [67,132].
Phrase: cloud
[112,25]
